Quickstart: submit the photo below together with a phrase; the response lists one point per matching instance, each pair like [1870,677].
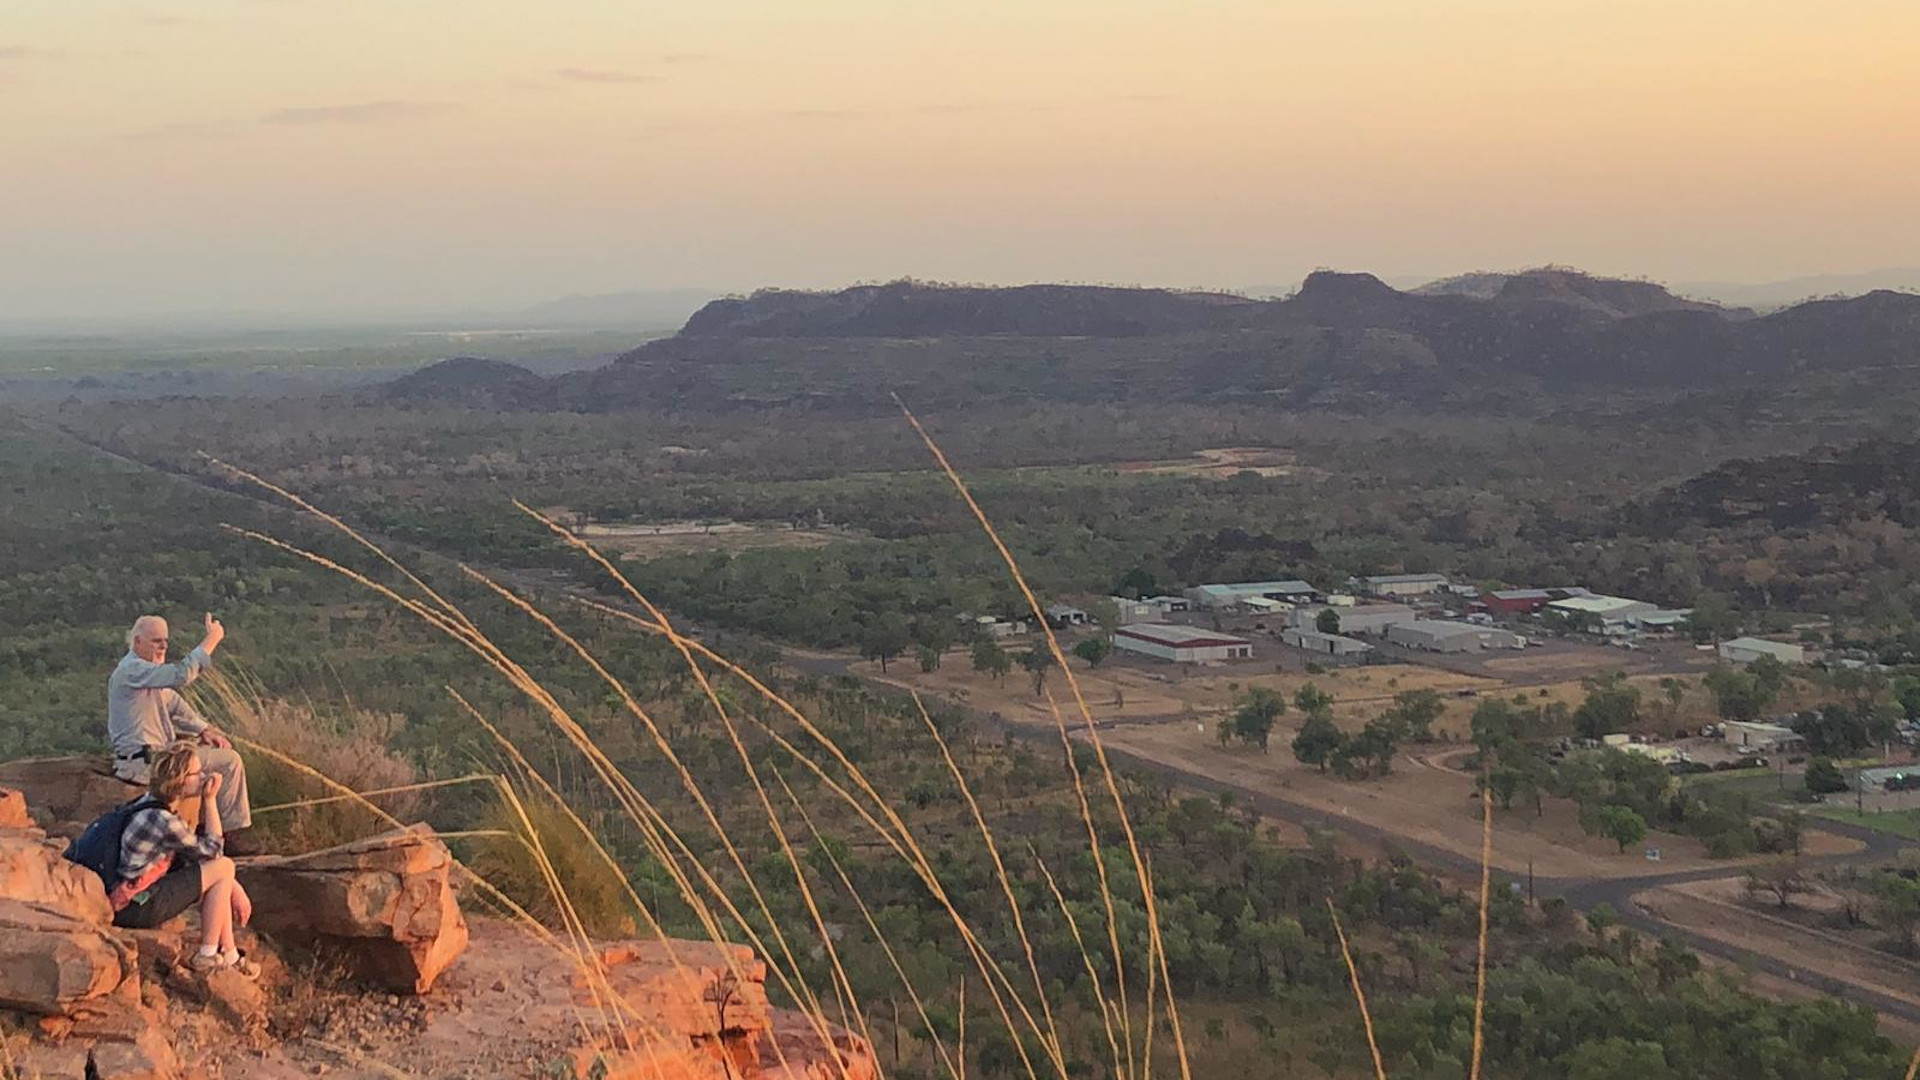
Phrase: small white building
[1403,584]
[1132,611]
[1061,616]
[1338,646]
[1182,644]
[1358,619]
[996,628]
[1745,650]
[1435,635]
[1171,603]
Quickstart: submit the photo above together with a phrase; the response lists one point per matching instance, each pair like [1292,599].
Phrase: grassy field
[1903,823]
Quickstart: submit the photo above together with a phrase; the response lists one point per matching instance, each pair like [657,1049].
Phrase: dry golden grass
[579,888]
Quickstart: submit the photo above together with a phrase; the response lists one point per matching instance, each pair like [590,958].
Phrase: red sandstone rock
[13,810]
[385,905]
[65,794]
[52,963]
[33,871]
[694,1010]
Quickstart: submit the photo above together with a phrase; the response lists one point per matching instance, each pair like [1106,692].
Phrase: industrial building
[1355,619]
[1061,616]
[1182,644]
[1761,736]
[1888,779]
[1745,650]
[1613,614]
[1131,611]
[1229,596]
[1337,646]
[1434,635]
[1403,584]
[1513,601]
[993,626]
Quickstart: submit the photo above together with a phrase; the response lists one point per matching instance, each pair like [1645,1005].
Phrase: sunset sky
[388,155]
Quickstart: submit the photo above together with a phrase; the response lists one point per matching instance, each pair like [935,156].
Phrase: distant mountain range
[1614,297]
[1775,294]
[1554,329]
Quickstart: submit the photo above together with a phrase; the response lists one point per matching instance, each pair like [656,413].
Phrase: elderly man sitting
[146,714]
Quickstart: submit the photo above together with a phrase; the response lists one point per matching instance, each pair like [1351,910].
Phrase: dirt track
[1818,958]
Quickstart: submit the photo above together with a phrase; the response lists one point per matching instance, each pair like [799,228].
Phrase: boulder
[65,794]
[699,1011]
[33,871]
[53,964]
[385,906]
[690,989]
[13,810]
[807,1053]
[150,1057]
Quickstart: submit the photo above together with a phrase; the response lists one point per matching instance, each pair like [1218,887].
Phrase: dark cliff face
[912,310]
[1347,334]
[1616,298]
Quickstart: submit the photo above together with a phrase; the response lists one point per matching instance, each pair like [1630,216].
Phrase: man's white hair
[142,623]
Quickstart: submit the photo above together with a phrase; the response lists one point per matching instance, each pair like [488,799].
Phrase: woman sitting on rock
[165,866]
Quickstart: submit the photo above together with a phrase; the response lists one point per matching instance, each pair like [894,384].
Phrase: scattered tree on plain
[1093,650]
[1317,740]
[991,660]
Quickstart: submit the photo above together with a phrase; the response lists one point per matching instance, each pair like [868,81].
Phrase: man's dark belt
[145,753]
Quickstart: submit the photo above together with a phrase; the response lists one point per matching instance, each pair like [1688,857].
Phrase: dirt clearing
[655,540]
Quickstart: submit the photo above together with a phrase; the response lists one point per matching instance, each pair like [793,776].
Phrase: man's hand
[213,737]
[215,634]
[210,787]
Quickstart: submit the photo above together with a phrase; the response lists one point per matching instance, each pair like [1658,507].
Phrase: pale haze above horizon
[411,155]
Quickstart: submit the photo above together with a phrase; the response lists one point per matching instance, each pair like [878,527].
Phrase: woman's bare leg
[217,904]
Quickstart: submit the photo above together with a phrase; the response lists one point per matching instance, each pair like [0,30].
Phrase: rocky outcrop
[65,794]
[57,951]
[695,1010]
[33,872]
[385,906]
[13,810]
[52,963]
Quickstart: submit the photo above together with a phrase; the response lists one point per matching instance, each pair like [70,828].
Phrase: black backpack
[98,848]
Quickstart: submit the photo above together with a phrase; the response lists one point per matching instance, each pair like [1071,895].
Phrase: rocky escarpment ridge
[381,919]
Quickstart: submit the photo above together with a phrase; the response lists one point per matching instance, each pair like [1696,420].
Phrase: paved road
[1581,893]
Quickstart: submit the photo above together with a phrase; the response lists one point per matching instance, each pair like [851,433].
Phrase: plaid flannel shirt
[153,836]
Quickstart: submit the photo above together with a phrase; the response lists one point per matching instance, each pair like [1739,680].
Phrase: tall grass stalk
[1093,738]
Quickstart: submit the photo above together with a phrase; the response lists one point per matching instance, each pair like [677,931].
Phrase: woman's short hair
[172,777]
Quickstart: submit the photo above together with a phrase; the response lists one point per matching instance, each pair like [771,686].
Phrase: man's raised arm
[146,675]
